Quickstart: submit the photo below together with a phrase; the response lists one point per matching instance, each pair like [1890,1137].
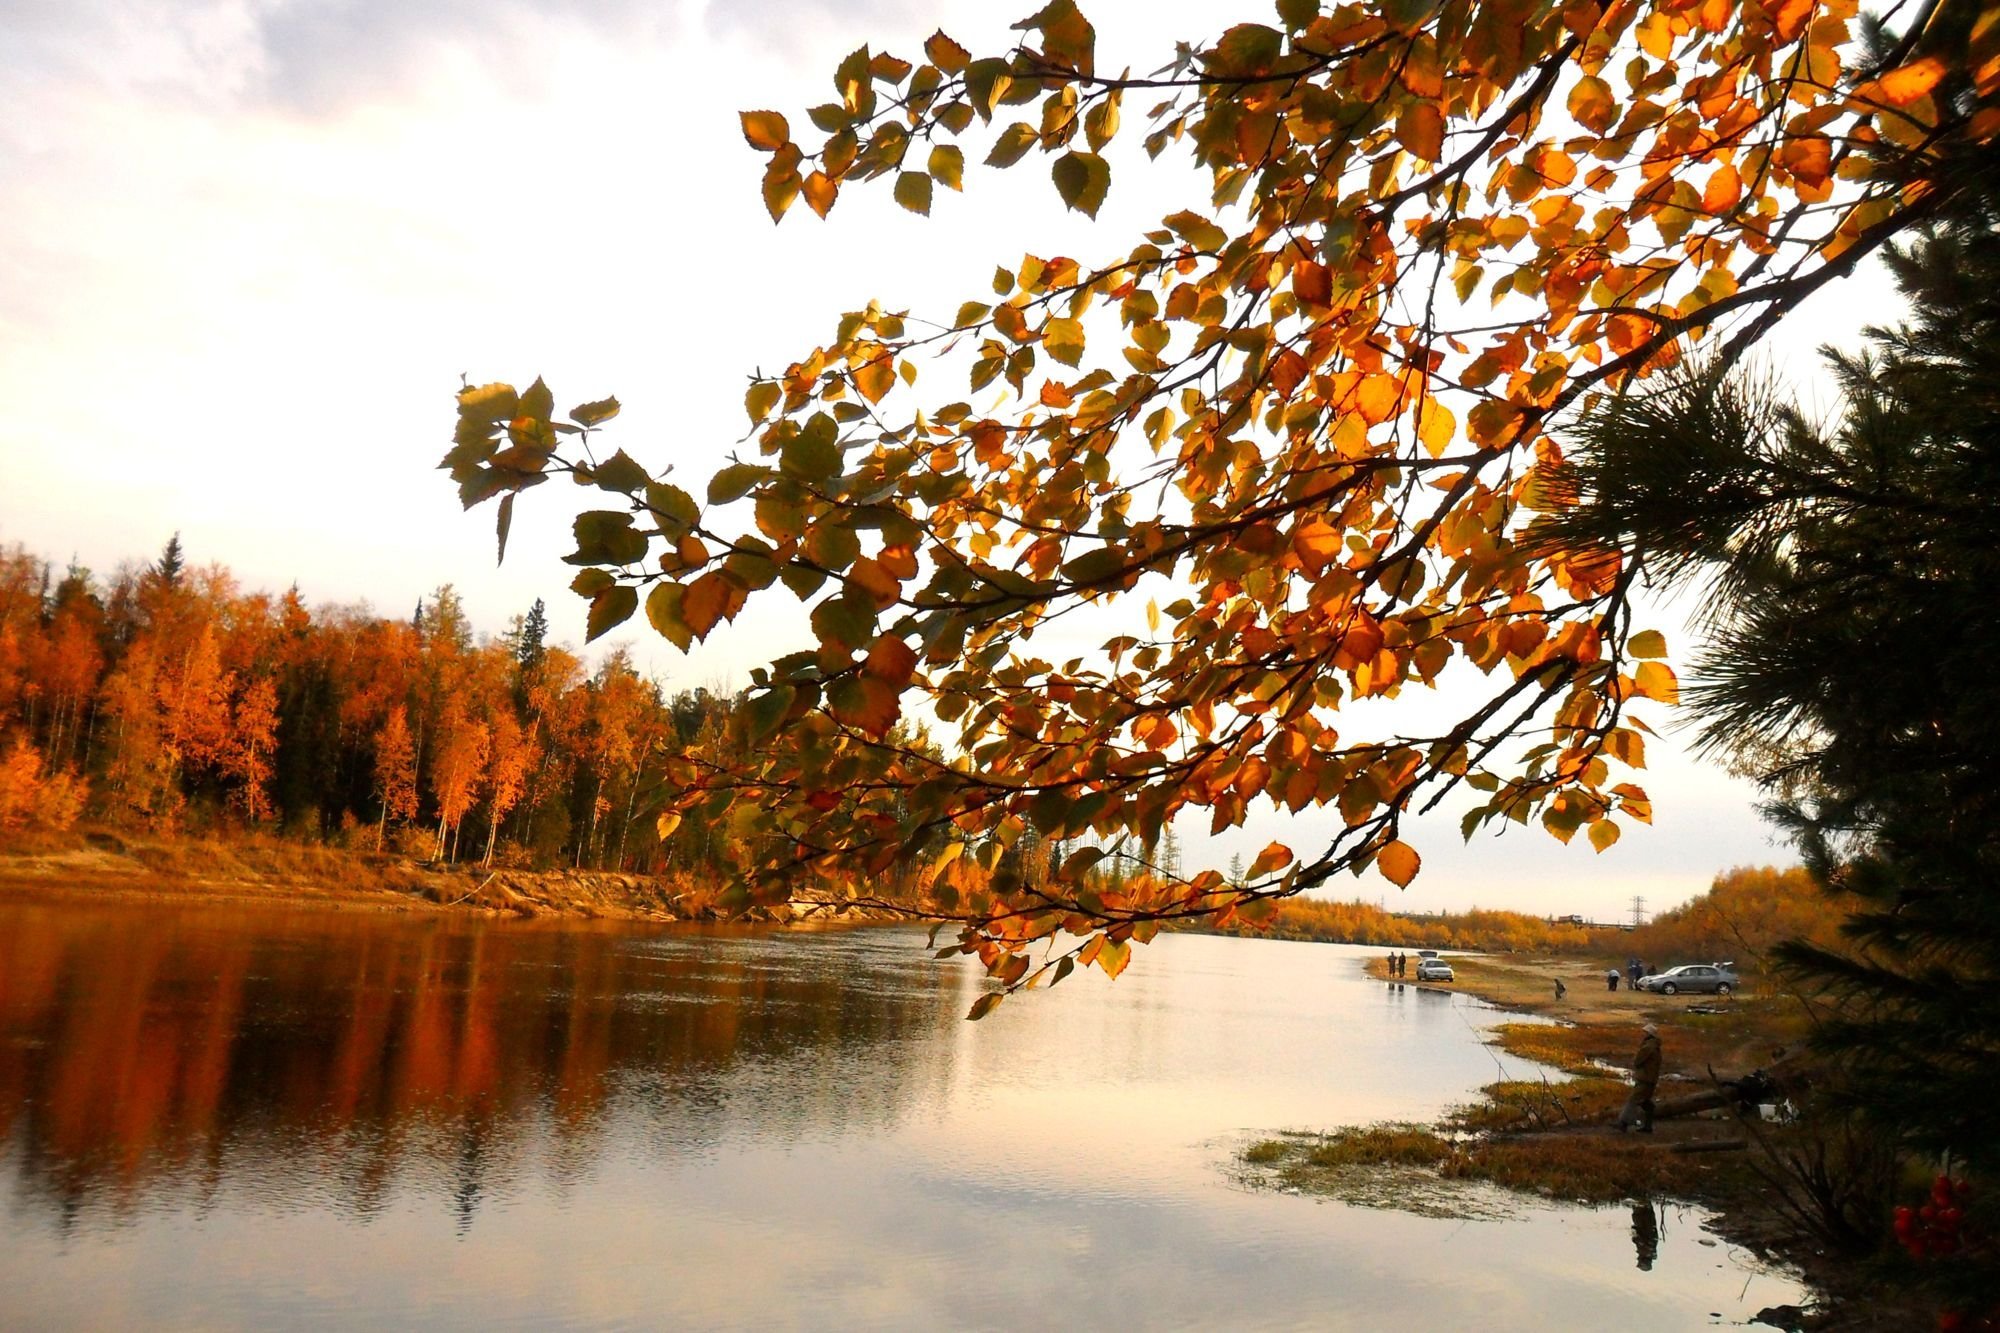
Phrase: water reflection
[343,1051]
[219,1119]
[1645,1233]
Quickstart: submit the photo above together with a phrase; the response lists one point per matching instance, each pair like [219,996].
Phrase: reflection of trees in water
[151,1054]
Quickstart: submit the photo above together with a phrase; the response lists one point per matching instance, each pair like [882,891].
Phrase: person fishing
[1638,1111]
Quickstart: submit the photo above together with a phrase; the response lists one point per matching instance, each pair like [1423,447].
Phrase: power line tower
[1638,910]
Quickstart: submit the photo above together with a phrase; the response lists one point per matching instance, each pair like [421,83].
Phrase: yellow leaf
[761,397]
[1656,680]
[1592,104]
[1399,863]
[946,54]
[667,823]
[1647,643]
[1603,833]
[1436,426]
[767,131]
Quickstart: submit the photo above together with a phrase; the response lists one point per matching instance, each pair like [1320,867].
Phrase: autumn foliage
[167,698]
[1307,423]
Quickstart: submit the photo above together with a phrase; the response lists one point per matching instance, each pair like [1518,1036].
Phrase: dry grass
[1522,1103]
[1403,1165]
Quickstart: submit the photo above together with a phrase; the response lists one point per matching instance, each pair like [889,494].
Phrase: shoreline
[107,867]
[1556,1140]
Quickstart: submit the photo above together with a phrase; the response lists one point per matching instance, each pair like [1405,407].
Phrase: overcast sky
[248,247]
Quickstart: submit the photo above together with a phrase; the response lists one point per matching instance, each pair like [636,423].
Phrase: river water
[223,1118]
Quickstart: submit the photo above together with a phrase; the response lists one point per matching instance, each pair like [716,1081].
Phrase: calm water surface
[216,1118]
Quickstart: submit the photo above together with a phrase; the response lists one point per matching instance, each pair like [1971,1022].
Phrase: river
[231,1118]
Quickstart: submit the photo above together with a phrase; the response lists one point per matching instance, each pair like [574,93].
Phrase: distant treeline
[1741,915]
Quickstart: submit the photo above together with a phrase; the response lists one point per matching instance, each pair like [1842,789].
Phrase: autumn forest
[166,697]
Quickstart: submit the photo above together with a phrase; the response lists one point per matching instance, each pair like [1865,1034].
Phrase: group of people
[1399,964]
[1634,969]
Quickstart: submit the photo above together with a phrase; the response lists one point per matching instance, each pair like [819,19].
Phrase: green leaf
[1012,145]
[814,453]
[1296,14]
[734,482]
[594,414]
[606,537]
[1082,180]
[591,582]
[913,191]
[663,610]
[537,401]
[619,473]
[674,507]
[610,609]
[504,525]
[766,711]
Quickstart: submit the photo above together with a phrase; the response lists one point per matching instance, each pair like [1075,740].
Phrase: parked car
[1694,978]
[1433,969]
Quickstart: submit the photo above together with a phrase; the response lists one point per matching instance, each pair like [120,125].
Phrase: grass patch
[1414,1169]
[1534,1104]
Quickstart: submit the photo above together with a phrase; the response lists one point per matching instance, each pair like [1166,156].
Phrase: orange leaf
[1724,188]
[891,660]
[1421,130]
[1312,283]
[1317,544]
[1379,398]
[1906,83]
[1423,71]
[1055,395]
[876,581]
[1809,158]
[873,709]
[712,597]
[899,560]
[876,378]
[1399,862]
[1288,372]
[767,131]
[819,191]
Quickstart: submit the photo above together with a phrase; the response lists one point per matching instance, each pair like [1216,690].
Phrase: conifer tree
[1852,662]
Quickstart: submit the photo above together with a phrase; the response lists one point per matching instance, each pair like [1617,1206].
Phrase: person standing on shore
[1645,1083]
[1561,990]
[1611,978]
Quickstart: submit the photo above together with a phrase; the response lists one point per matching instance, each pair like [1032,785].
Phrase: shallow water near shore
[221,1118]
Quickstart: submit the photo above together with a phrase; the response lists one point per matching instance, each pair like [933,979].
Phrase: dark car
[1695,978]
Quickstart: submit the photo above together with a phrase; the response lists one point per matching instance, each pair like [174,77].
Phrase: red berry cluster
[1936,1229]
[1933,1230]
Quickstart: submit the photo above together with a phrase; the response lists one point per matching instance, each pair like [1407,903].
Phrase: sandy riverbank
[109,866]
[1556,1138]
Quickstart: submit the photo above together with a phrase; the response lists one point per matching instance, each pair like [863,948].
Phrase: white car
[1433,969]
